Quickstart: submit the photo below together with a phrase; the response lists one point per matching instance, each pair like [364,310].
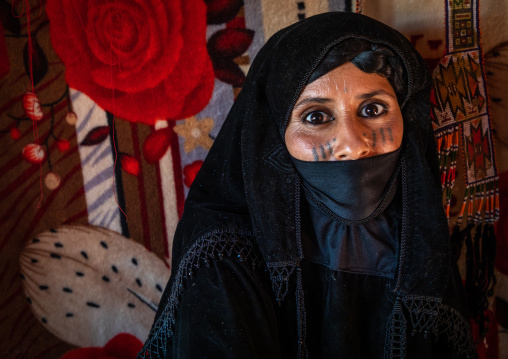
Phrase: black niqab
[350,190]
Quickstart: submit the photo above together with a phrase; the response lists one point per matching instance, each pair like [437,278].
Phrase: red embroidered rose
[140,60]
[121,346]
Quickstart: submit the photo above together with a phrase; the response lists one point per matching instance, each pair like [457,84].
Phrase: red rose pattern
[156,144]
[140,60]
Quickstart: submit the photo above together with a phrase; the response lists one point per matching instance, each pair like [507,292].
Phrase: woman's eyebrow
[308,100]
[375,93]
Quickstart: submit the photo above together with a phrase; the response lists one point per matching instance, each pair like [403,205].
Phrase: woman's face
[346,114]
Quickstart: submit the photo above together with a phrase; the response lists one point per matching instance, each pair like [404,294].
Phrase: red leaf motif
[229,72]
[129,164]
[221,11]
[96,136]
[229,43]
[190,172]
[156,144]
[39,61]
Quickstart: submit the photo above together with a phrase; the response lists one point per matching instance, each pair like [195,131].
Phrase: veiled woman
[315,227]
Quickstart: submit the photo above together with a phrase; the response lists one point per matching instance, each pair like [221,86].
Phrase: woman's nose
[351,143]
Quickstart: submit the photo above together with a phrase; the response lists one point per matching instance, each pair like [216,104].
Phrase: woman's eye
[372,110]
[317,117]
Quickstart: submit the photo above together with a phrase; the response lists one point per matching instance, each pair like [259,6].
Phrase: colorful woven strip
[461,117]
[462,127]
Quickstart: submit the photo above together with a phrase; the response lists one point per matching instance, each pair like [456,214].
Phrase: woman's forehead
[348,77]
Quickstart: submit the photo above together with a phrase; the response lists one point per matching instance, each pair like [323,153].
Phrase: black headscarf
[248,181]
[249,186]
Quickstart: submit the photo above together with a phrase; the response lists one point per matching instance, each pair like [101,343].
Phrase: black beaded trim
[212,246]
[428,315]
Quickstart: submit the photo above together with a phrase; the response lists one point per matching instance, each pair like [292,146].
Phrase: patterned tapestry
[463,128]
[107,111]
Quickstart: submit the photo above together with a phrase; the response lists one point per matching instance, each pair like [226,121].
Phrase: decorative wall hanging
[462,126]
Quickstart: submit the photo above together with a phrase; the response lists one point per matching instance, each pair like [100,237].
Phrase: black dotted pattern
[69,290]
[301,10]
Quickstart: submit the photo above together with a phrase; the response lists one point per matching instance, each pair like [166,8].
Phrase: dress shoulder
[219,302]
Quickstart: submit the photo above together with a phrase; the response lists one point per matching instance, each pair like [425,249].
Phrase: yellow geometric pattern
[459,89]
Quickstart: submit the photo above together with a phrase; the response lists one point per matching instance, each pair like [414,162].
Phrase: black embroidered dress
[255,274]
